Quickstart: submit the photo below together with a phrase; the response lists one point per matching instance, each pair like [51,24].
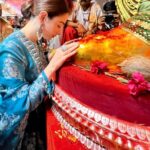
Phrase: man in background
[83,21]
[5,27]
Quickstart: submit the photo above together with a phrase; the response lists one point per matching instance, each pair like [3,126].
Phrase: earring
[39,34]
[41,43]
[39,37]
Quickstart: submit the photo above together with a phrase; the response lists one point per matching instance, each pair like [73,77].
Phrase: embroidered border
[83,139]
[115,130]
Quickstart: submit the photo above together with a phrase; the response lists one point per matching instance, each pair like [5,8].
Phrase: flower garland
[98,67]
[138,85]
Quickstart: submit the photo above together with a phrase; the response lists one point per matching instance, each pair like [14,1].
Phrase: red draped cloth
[69,33]
[107,97]
[57,137]
[105,94]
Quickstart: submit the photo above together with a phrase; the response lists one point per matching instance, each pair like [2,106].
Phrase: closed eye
[58,26]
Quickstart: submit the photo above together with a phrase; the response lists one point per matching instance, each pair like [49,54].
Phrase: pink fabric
[16,3]
[105,94]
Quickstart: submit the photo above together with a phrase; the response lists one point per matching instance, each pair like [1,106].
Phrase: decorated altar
[102,97]
[99,112]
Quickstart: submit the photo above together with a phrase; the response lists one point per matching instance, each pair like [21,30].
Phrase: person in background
[83,21]
[111,19]
[5,27]
[16,24]
[25,76]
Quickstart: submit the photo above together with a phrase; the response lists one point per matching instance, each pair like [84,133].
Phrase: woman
[25,79]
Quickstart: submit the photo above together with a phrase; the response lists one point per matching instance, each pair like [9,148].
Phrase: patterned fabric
[145,6]
[23,86]
[89,18]
[139,25]
[129,8]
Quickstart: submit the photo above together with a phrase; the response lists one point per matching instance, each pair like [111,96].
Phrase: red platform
[58,138]
[106,94]
[100,108]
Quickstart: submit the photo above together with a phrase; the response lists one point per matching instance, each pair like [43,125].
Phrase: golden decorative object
[112,47]
[115,46]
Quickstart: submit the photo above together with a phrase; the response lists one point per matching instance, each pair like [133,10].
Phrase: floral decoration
[138,85]
[98,67]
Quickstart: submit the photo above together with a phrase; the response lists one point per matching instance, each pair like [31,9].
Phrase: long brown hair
[52,7]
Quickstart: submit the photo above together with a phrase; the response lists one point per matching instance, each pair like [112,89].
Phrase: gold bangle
[52,52]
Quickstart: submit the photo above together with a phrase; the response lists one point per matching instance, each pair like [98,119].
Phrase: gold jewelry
[139,25]
[40,40]
[39,33]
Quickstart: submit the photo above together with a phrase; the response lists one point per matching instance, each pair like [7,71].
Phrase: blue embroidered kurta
[23,86]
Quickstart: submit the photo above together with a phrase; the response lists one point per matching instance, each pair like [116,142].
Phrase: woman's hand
[61,55]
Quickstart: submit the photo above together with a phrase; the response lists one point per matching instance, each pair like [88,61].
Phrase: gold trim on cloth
[105,127]
[127,8]
[139,25]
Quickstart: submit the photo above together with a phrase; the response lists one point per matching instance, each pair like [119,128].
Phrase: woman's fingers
[68,55]
[73,48]
[62,55]
[71,41]
[69,47]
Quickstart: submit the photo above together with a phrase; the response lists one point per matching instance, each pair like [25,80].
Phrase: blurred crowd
[87,18]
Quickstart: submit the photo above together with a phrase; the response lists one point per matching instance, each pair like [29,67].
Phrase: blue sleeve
[13,66]
[18,95]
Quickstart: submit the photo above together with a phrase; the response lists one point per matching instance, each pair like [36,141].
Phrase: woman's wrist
[49,71]
[51,53]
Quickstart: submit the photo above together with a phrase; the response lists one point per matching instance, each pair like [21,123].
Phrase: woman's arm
[13,81]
